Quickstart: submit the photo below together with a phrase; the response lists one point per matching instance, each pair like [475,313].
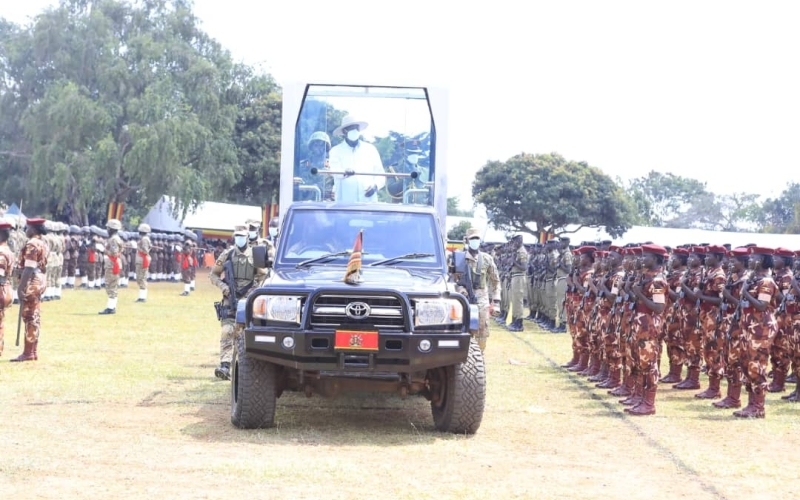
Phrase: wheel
[459,394]
[253,390]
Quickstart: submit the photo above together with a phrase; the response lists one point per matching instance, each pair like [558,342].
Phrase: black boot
[223,371]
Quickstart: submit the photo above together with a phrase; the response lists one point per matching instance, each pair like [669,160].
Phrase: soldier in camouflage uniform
[319,146]
[113,264]
[53,256]
[71,255]
[564,268]
[485,283]
[246,276]
[143,261]
[550,272]
[518,267]
[16,242]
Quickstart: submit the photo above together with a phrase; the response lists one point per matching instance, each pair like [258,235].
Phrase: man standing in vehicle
[356,156]
[239,261]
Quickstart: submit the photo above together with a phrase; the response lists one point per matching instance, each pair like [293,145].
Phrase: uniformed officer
[519,267]
[113,264]
[485,283]
[32,261]
[308,186]
[272,230]
[7,264]
[563,270]
[245,277]
[143,260]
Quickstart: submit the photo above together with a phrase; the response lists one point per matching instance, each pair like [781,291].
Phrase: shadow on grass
[350,420]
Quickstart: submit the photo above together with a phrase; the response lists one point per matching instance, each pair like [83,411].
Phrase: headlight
[438,312]
[285,308]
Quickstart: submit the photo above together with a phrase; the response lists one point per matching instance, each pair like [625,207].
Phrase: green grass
[127,406]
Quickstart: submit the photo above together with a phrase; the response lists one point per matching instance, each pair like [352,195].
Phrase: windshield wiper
[407,256]
[321,258]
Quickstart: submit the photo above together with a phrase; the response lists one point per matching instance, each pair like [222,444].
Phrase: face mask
[240,241]
[474,243]
[273,231]
[353,135]
[412,159]
[253,235]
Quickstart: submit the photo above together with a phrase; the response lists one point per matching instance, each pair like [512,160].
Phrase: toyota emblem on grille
[357,310]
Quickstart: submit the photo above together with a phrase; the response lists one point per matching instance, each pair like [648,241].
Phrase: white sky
[709,90]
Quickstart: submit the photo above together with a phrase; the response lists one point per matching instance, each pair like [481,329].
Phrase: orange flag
[353,272]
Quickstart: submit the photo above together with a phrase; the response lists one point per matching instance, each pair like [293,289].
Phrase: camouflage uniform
[7,262]
[550,284]
[246,277]
[518,269]
[564,268]
[113,265]
[32,262]
[143,261]
[485,283]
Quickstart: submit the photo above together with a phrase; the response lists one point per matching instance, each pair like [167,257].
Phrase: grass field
[127,406]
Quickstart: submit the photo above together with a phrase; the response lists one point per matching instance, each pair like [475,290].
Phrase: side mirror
[459,262]
[261,256]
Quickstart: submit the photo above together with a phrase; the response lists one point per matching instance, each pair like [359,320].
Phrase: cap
[783,252]
[473,233]
[654,249]
[114,224]
[716,249]
[761,251]
[144,228]
[739,252]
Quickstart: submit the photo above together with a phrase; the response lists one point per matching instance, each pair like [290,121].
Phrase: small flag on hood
[353,272]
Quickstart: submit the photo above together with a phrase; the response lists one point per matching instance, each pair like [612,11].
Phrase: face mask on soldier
[253,234]
[412,159]
[474,243]
[273,231]
[240,241]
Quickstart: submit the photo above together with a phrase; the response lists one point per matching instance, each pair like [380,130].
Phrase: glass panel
[390,131]
[312,233]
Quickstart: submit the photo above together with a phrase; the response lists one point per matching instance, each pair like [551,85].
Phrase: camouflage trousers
[572,304]
[91,275]
[626,340]
[505,295]
[713,343]
[674,338]
[561,292]
[186,275]
[796,343]
[759,330]
[230,332]
[31,302]
[781,351]
[611,340]
[141,276]
[550,299]
[112,283]
[72,265]
[647,328]
[692,339]
[5,301]
[582,329]
[517,296]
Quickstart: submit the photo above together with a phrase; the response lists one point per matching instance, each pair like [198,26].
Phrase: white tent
[209,217]
[160,218]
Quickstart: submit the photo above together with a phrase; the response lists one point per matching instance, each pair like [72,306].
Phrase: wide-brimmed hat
[347,121]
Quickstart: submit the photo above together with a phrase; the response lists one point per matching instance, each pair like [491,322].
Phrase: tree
[452,208]
[780,215]
[118,99]
[459,231]
[553,193]
[661,197]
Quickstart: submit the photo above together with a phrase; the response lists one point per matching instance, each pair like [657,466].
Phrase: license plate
[352,340]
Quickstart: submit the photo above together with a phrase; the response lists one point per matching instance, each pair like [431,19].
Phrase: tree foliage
[459,231]
[552,192]
[661,199]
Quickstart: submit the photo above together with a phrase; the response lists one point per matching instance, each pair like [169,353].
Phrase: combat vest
[244,271]
[479,274]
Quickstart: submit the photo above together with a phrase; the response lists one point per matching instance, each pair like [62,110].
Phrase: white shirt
[364,158]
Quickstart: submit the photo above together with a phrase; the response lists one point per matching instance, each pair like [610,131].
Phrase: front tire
[253,390]
[460,392]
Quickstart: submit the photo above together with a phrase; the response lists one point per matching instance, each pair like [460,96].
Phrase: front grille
[386,311]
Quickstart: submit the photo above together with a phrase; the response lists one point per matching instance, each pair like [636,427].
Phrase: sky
[708,90]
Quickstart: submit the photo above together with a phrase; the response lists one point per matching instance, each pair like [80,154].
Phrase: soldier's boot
[223,371]
[792,379]
[636,395]
[792,396]
[624,390]
[142,295]
[692,380]
[592,367]
[733,398]
[755,408]
[601,375]
[583,361]
[647,406]
[574,361]
[778,381]
[747,410]
[111,307]
[516,325]
[674,375]
[596,370]
[28,353]
[713,391]
[613,380]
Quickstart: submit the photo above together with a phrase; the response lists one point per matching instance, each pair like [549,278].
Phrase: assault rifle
[462,270]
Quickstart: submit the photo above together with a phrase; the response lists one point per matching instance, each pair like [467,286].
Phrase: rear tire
[253,390]
[461,394]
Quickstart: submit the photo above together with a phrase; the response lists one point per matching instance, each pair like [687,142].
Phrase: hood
[371,277]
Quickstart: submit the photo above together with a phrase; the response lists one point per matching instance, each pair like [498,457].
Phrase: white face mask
[240,241]
[412,159]
[474,243]
[273,231]
[253,234]
[353,135]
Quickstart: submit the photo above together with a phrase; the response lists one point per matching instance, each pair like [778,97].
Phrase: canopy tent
[15,211]
[210,219]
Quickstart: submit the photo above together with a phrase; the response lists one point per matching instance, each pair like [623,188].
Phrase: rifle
[19,320]
[700,285]
[466,282]
[224,312]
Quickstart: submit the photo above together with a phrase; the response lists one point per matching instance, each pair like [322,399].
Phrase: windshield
[366,131]
[314,233]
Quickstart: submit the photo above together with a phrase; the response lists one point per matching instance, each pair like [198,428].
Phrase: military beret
[761,251]
[727,246]
[35,222]
[585,249]
[615,248]
[5,225]
[716,249]
[783,252]
[668,248]
[654,249]
[637,250]
[739,252]
[680,251]
[698,249]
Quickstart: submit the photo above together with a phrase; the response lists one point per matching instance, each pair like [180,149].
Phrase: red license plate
[352,340]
